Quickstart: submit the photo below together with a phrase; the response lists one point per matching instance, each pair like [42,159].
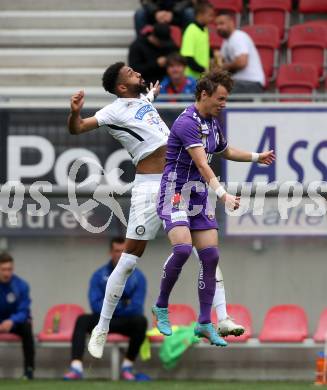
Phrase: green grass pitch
[155,385]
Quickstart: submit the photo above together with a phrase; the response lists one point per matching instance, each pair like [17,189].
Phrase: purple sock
[207,282]
[171,271]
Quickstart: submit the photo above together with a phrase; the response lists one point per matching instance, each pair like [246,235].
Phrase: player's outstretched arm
[76,124]
[199,157]
[234,154]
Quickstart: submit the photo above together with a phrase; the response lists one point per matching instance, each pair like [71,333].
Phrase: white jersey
[241,43]
[136,124]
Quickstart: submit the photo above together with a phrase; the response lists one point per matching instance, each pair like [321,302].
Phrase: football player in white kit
[136,124]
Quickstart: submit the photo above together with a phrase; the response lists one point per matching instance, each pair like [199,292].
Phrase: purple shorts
[198,216]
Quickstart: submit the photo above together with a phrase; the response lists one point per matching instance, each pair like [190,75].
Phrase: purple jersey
[189,130]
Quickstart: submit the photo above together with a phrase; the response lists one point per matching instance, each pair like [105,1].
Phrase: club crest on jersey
[143,110]
[204,128]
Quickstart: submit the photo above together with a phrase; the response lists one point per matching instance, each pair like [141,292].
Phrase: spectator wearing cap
[240,56]
[15,316]
[148,54]
[177,12]
[176,82]
[196,44]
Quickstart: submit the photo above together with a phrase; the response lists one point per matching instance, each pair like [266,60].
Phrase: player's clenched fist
[77,101]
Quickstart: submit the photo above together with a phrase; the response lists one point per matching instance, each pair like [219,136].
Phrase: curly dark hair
[211,80]
[110,77]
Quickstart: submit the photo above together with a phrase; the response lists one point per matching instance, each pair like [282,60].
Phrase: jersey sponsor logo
[179,216]
[153,119]
[140,230]
[143,110]
[204,128]
[202,285]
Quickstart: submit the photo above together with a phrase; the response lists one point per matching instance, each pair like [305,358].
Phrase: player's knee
[141,323]
[127,263]
[26,328]
[81,321]
[183,250]
[135,247]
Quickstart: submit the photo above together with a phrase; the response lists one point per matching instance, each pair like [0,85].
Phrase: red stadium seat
[68,316]
[179,314]
[320,22]
[312,6]
[215,39]
[176,35]
[297,78]
[266,40]
[242,316]
[271,12]
[230,5]
[321,333]
[116,338]
[285,324]
[9,337]
[307,45]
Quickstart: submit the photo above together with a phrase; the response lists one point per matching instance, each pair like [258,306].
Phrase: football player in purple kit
[183,203]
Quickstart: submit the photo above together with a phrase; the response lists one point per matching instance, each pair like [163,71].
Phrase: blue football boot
[208,332]
[163,324]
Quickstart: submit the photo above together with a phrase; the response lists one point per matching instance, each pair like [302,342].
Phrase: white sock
[127,363]
[114,289]
[77,365]
[219,300]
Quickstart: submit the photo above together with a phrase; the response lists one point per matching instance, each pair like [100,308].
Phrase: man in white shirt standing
[240,56]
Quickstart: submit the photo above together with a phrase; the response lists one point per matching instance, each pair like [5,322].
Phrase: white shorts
[143,221]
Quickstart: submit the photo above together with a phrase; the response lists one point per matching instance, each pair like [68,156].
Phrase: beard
[138,88]
[224,34]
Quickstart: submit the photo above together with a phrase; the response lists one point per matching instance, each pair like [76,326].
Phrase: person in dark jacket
[15,316]
[148,54]
[128,318]
[177,12]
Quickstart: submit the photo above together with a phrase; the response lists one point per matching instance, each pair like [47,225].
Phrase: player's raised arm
[199,157]
[153,91]
[234,154]
[76,124]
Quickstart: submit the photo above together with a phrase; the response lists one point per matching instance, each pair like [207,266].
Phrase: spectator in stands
[176,12]
[128,317]
[196,44]
[240,56]
[176,82]
[15,316]
[148,54]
